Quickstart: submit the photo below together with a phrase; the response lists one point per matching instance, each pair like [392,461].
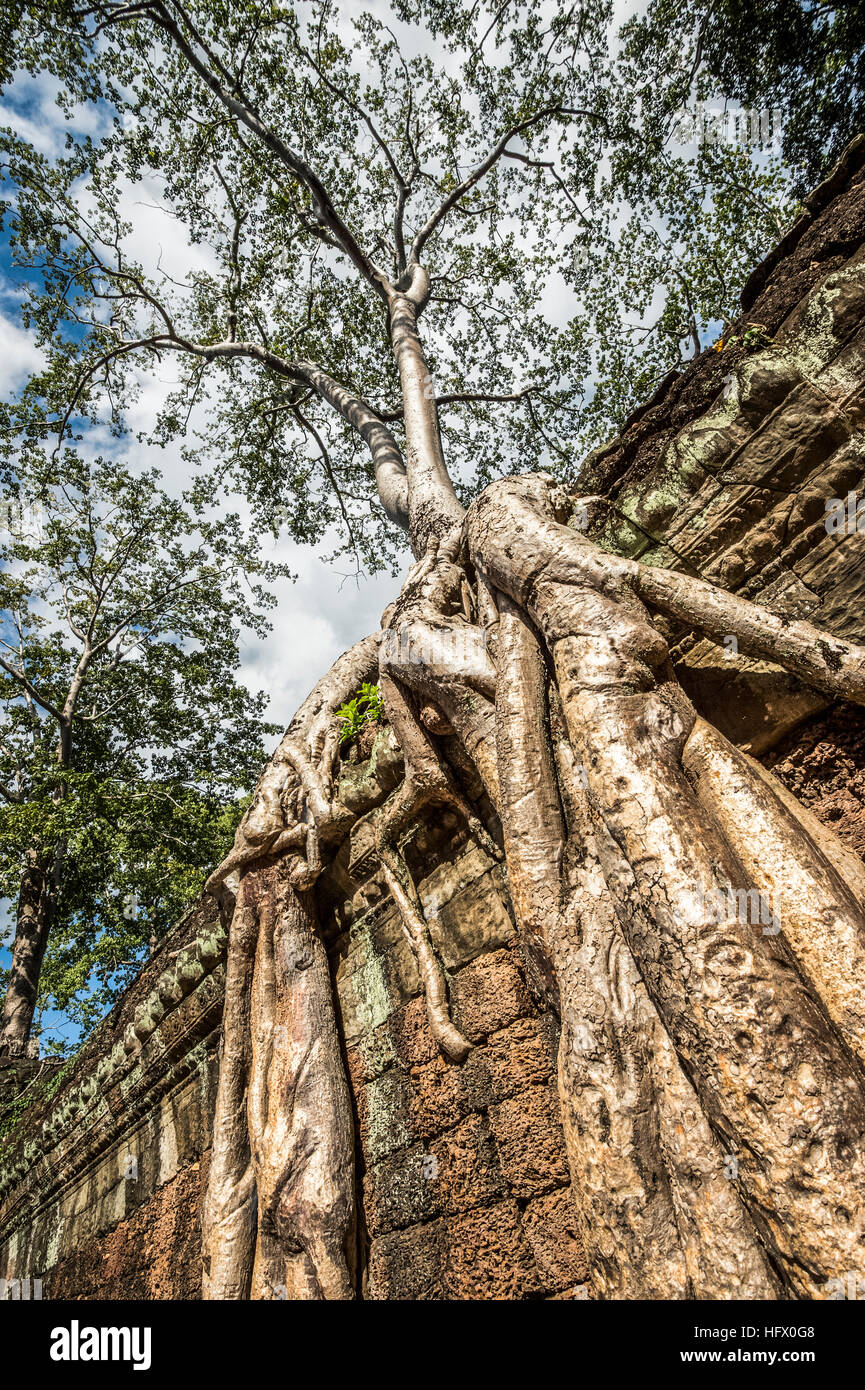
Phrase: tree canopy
[311,155]
[803,58]
[125,737]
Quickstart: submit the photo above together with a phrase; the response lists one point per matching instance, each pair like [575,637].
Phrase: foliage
[126,738]
[590,259]
[805,59]
[364,708]
[42,1087]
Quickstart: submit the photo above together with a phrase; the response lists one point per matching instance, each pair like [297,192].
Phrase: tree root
[772,1077]
[229,1211]
[648,1173]
[292,1154]
[710,1065]
[819,912]
[426,781]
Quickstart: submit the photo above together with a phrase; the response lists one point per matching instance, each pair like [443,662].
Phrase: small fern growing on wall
[364,708]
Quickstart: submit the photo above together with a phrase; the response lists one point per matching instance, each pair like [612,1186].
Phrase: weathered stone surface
[550,1226]
[528,1131]
[154,1253]
[727,472]
[489,994]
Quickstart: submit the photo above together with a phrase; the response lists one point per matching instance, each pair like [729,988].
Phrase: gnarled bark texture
[700,935]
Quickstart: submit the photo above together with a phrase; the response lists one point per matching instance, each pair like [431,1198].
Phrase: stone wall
[464,1178]
[462,1173]
[100,1181]
[463,1184]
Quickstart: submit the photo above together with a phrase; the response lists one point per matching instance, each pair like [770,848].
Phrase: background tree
[126,739]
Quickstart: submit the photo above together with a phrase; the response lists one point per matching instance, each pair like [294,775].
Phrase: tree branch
[482,169]
[206,63]
[31,690]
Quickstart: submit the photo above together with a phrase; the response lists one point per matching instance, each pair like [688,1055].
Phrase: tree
[385,233]
[126,740]
[803,59]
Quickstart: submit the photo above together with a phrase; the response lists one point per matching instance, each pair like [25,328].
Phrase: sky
[320,614]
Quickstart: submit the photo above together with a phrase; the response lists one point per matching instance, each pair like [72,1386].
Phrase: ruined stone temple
[463,1184]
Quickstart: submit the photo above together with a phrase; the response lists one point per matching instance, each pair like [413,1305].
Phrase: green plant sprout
[365,707]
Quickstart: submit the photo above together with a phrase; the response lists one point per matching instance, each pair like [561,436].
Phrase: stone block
[550,1225]
[487,1256]
[531,1142]
[488,994]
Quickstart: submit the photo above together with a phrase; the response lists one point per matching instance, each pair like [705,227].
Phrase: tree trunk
[432,503]
[37,898]
[700,936]
[710,1078]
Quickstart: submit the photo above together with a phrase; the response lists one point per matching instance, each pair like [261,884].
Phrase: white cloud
[19,356]
[317,618]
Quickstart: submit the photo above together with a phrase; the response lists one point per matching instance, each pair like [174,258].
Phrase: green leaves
[365,708]
[125,735]
[591,258]
[804,60]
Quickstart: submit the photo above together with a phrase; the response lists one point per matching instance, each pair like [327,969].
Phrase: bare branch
[459,397]
[499,149]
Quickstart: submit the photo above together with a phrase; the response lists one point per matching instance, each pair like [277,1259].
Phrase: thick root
[229,1212]
[294,796]
[807,898]
[299,1110]
[648,1173]
[778,1086]
[712,1102]
[426,781]
[449,1038]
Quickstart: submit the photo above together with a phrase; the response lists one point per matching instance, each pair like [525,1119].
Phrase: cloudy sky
[324,611]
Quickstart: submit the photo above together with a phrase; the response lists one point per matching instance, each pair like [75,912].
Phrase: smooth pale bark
[281,1184]
[433,647]
[299,773]
[770,1071]
[390,472]
[712,1111]
[432,503]
[773,1078]
[659,1217]
[829,663]
[229,1212]
[425,783]
[534,832]
[300,1119]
